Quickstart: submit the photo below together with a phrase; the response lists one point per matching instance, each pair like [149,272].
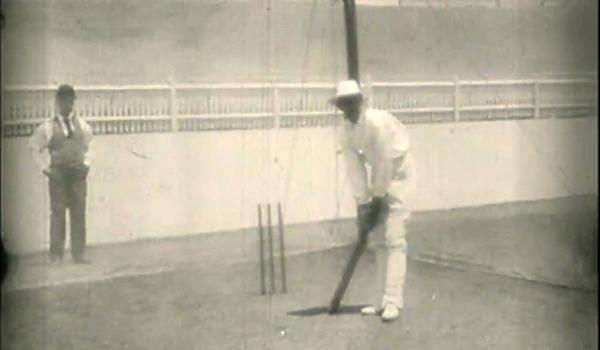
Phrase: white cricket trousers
[388,240]
[389,243]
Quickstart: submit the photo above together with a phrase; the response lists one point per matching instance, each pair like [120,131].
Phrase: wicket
[261,250]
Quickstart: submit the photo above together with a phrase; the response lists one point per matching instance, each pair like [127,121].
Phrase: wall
[144,42]
[158,185]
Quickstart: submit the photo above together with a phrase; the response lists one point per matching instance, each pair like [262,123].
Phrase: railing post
[173,104]
[368,89]
[595,88]
[276,107]
[456,98]
[536,99]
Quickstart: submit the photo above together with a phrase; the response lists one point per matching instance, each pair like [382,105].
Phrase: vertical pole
[172,104]
[536,100]
[268,7]
[281,249]
[261,252]
[351,40]
[276,125]
[274,169]
[271,257]
[456,99]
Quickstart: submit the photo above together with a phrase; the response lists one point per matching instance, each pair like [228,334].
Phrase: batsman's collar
[60,117]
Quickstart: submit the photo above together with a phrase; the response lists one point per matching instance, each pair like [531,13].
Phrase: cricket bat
[359,248]
[380,215]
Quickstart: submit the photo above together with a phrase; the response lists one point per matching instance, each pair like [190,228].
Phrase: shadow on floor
[324,310]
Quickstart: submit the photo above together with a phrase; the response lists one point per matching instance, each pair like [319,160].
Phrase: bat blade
[334,305]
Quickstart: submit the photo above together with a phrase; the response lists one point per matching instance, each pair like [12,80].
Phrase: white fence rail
[448,4]
[196,107]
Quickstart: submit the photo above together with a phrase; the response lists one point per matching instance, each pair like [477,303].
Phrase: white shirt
[379,140]
[38,144]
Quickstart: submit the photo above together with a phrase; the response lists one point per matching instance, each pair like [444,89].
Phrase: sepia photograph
[299,174]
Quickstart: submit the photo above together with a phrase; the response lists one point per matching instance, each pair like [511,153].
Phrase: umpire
[65,139]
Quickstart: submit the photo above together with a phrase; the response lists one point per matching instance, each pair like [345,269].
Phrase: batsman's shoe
[370,311]
[390,313]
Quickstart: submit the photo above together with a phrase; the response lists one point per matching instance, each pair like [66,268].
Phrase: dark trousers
[68,190]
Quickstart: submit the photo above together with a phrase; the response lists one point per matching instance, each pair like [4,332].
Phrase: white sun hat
[346,88]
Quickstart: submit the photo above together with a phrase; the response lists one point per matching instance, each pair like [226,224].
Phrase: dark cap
[65,91]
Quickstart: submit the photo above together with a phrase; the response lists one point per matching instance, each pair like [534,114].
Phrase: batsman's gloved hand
[379,210]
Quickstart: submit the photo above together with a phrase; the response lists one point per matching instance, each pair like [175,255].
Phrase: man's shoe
[81,261]
[369,311]
[390,313]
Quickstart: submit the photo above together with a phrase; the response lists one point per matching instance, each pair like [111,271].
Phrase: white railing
[449,4]
[195,107]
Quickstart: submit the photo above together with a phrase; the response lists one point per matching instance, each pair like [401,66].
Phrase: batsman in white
[376,139]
